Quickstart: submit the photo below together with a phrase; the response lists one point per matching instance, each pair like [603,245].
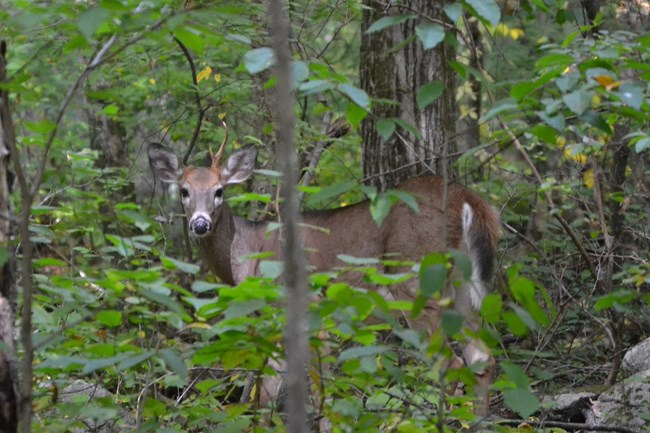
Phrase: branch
[97,60]
[197,100]
[570,426]
[315,156]
[27,195]
[551,204]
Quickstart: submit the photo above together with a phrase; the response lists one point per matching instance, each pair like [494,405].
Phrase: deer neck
[232,238]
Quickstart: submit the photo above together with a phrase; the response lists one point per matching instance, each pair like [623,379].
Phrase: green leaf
[453,11]
[631,94]
[385,22]
[243,308]
[380,208]
[557,122]
[491,308]
[271,269]
[503,106]
[487,10]
[557,61]
[135,218]
[619,297]
[134,359]
[521,401]
[357,95]
[642,145]
[357,261]
[578,101]
[110,318]
[385,128]
[44,126]
[90,20]
[97,364]
[329,193]
[433,279]
[430,34]
[248,197]
[545,133]
[360,352]
[354,114]
[520,90]
[515,324]
[433,273]
[315,86]
[164,300]
[299,72]
[408,127]
[259,59]
[515,374]
[451,322]
[408,199]
[567,82]
[190,39]
[597,120]
[111,110]
[429,93]
[170,263]
[462,263]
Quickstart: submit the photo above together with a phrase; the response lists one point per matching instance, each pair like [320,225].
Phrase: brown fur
[467,224]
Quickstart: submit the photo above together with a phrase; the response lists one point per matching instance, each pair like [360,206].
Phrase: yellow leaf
[580,158]
[204,74]
[560,141]
[217,78]
[516,33]
[588,178]
[221,116]
[152,81]
[595,101]
[607,82]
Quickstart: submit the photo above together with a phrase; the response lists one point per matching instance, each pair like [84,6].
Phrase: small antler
[216,158]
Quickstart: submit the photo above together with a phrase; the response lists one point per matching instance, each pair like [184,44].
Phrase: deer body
[468,223]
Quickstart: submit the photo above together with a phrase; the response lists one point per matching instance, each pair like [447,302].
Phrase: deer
[467,223]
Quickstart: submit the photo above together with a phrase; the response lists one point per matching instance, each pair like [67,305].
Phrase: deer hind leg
[271,387]
[474,350]
[272,390]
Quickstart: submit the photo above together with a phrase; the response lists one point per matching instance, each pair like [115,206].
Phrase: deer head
[202,187]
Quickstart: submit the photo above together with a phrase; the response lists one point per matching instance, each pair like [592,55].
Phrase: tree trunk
[8,401]
[394,70]
[469,133]
[295,269]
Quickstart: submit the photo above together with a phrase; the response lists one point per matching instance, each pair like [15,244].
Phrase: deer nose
[200,226]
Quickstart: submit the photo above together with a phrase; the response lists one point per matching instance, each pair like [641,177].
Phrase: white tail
[472,226]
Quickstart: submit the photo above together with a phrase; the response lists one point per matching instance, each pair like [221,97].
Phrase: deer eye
[218,193]
[185,192]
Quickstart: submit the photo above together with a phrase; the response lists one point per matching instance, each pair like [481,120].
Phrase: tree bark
[394,66]
[8,388]
[295,274]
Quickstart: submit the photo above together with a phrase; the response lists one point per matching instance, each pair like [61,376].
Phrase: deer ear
[163,163]
[240,165]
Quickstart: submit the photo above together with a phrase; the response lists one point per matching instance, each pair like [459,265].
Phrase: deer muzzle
[200,226]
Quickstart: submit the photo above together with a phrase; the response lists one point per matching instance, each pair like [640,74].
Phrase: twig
[315,156]
[551,204]
[27,194]
[197,100]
